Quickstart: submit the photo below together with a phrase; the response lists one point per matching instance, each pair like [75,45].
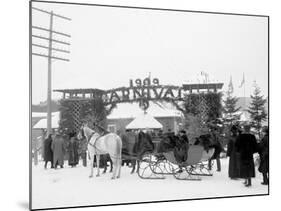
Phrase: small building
[125,113]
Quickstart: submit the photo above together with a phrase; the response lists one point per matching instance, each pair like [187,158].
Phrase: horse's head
[205,141]
[83,131]
[81,134]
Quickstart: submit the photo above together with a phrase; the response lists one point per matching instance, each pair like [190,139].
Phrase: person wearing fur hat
[246,145]
[48,152]
[216,144]
[73,150]
[233,167]
[264,156]
[58,148]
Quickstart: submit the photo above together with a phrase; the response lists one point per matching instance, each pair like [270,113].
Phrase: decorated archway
[201,100]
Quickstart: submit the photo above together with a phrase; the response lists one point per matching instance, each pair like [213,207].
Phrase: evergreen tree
[229,108]
[257,109]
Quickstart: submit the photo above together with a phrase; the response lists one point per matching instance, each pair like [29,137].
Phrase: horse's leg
[104,169]
[119,161]
[138,166]
[98,165]
[114,161]
[133,162]
[111,164]
[91,165]
[105,163]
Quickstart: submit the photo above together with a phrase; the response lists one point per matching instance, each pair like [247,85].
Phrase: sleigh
[158,165]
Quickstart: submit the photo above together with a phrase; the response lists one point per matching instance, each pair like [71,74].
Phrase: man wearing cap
[181,148]
[58,150]
[215,140]
[246,145]
[264,156]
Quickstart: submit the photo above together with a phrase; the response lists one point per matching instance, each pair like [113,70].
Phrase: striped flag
[242,82]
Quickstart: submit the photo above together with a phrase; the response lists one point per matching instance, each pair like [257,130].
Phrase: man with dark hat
[246,145]
[183,136]
[58,148]
[264,156]
[48,152]
[73,145]
[216,144]
[181,148]
[233,167]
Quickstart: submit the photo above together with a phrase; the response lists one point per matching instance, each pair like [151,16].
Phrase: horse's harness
[94,144]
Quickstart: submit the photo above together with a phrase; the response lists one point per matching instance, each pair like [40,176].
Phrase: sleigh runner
[158,165]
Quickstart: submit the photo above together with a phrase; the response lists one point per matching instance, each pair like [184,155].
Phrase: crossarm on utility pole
[51,40]
[52,57]
[51,13]
[54,49]
[56,32]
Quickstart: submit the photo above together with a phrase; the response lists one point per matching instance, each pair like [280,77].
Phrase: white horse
[98,145]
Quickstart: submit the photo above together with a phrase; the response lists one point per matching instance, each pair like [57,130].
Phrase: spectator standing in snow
[264,156]
[218,148]
[246,145]
[73,150]
[48,152]
[58,150]
[233,167]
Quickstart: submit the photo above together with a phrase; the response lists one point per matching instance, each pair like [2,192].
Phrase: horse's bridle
[89,138]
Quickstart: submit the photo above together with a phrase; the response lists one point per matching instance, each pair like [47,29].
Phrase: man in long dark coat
[58,150]
[182,146]
[264,157]
[48,152]
[73,151]
[216,144]
[233,167]
[246,145]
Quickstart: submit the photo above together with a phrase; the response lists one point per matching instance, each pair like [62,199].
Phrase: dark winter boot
[265,179]
[249,182]
[218,164]
[210,165]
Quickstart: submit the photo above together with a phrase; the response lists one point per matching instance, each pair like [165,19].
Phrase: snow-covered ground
[72,187]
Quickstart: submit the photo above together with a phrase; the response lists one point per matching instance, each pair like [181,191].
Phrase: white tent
[42,124]
[144,121]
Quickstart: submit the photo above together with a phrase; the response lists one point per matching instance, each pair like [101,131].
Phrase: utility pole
[50,56]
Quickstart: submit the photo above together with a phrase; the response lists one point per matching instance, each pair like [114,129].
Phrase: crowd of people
[241,147]
[57,147]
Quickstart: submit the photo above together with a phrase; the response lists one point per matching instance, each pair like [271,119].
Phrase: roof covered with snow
[42,124]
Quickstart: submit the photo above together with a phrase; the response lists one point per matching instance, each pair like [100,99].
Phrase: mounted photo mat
[138,105]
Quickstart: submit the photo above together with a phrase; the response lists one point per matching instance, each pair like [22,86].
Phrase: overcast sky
[109,46]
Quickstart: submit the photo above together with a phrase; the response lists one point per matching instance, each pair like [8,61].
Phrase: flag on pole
[206,76]
[242,82]
[230,86]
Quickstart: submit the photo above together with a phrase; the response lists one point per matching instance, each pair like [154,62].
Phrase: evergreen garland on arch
[90,110]
[212,101]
